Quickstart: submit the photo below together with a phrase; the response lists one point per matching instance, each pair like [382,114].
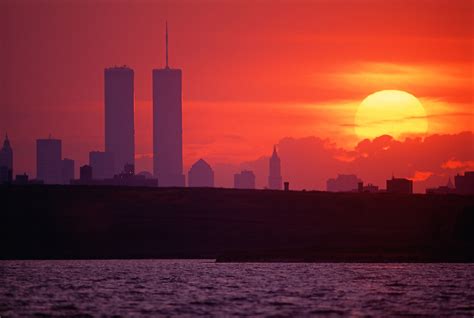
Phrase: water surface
[203,288]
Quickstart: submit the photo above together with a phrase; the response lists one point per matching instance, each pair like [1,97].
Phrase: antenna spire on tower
[167,44]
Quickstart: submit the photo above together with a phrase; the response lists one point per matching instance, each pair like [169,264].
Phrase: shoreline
[78,222]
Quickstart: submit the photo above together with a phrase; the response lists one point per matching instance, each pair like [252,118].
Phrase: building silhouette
[5,175]
[274,176]
[167,125]
[102,164]
[145,174]
[48,161]
[465,184]
[369,188]
[21,179]
[201,175]
[126,177]
[85,174]
[67,172]
[119,115]
[128,170]
[6,162]
[244,180]
[447,189]
[400,185]
[343,183]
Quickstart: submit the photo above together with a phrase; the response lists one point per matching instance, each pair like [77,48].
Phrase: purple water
[204,288]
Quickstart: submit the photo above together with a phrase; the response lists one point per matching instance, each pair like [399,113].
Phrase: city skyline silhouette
[228,136]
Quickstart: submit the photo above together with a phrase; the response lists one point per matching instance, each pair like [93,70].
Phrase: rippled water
[196,287]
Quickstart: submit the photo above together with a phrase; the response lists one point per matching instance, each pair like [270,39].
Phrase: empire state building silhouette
[274,177]
[167,125]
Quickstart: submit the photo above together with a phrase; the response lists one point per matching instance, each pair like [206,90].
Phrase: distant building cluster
[351,183]
[52,168]
[125,178]
[115,165]
[369,188]
[464,184]
[447,189]
[343,183]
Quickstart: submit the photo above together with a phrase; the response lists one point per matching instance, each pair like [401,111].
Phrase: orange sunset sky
[255,74]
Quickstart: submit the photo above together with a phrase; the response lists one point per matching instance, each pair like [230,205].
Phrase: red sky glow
[255,74]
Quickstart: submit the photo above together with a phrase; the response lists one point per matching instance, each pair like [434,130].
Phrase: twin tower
[167,121]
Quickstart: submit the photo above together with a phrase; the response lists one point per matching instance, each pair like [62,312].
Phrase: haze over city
[294,78]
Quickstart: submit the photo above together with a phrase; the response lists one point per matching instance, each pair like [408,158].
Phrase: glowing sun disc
[390,112]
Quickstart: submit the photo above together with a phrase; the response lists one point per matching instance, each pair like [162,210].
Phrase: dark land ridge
[86,222]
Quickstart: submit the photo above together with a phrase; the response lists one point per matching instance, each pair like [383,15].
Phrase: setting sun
[390,112]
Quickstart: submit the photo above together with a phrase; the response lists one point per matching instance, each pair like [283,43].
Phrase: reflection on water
[197,287]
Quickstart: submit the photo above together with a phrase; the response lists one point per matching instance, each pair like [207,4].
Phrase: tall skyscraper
[6,162]
[48,161]
[102,164]
[274,177]
[167,125]
[119,115]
